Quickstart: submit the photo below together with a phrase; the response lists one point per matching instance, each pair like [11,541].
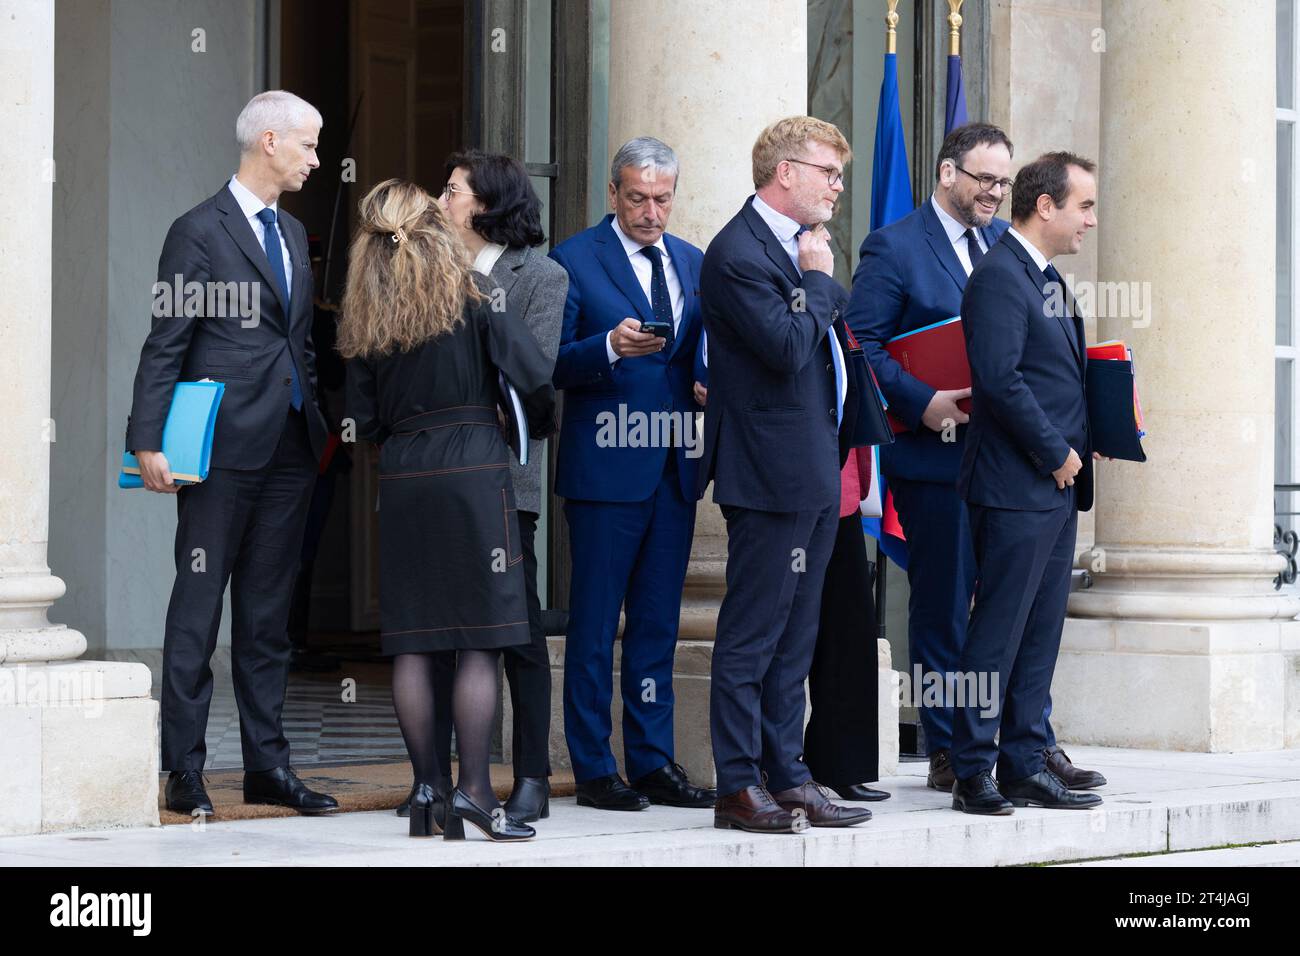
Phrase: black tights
[474,706]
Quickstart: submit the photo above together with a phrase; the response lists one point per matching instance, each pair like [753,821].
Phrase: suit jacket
[213,243]
[603,290]
[1027,369]
[909,277]
[770,436]
[534,288]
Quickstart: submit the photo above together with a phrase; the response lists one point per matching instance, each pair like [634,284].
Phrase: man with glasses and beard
[911,274]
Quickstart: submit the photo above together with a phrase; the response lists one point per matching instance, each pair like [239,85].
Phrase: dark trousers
[245,528]
[842,740]
[766,634]
[1014,633]
[630,556]
[528,672]
[941,573]
[941,578]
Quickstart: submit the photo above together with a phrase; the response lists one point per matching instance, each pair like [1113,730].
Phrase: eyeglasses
[986,180]
[451,189]
[833,176]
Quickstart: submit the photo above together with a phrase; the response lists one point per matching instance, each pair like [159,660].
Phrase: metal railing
[1286,541]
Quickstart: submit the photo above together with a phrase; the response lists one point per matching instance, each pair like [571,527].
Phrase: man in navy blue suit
[911,275]
[626,469]
[1026,473]
[773,447]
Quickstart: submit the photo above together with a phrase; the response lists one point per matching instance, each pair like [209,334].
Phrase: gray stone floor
[1155,803]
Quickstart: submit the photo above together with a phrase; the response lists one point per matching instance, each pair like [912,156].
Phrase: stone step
[1156,803]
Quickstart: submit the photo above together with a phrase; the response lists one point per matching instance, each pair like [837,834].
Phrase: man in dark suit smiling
[245,523]
[1026,473]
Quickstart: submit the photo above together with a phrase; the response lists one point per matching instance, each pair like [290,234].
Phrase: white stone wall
[144,130]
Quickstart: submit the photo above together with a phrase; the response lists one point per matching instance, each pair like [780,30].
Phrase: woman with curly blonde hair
[425,353]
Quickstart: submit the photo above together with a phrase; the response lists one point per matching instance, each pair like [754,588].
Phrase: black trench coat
[450,561]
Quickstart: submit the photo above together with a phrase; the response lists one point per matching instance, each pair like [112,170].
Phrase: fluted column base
[1180,650]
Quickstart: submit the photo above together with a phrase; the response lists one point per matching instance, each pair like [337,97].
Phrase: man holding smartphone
[626,358]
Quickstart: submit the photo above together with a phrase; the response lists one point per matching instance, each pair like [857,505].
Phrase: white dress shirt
[643,268]
[250,206]
[487,257]
[1040,260]
[786,231]
[956,233]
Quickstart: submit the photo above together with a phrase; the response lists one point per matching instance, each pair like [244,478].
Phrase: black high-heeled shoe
[428,811]
[530,799]
[497,826]
[444,787]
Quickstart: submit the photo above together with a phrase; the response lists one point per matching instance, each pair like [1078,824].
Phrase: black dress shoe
[941,776]
[610,793]
[497,826]
[859,793]
[980,795]
[444,787]
[185,793]
[530,799]
[669,786]
[427,810]
[1073,777]
[281,787]
[1045,789]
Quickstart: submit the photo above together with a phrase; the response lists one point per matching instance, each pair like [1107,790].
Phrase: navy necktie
[661,304]
[1054,276]
[275,258]
[973,248]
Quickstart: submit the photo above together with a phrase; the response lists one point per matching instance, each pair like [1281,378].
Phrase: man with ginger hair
[776,427]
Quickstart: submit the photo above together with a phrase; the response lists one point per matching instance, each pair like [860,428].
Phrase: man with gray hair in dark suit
[244,523]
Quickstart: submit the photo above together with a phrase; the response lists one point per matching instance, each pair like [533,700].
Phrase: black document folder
[872,425]
[1112,419]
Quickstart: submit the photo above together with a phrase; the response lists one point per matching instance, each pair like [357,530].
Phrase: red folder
[935,354]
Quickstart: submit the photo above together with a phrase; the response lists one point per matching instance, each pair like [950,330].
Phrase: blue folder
[1112,423]
[187,435]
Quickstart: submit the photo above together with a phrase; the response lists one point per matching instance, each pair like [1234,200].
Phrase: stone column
[706,85]
[1182,642]
[704,76]
[78,739]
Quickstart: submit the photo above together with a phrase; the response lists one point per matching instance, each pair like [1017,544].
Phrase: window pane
[1285,250]
[1284,413]
[1285,52]
[537,84]
[1285,502]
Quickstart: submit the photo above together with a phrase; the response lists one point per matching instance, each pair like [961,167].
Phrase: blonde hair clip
[399,236]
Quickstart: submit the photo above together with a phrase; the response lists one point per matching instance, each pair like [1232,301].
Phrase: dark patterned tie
[661,303]
[973,248]
[275,257]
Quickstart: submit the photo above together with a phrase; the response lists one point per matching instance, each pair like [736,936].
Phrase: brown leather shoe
[1074,778]
[753,809]
[941,776]
[809,800]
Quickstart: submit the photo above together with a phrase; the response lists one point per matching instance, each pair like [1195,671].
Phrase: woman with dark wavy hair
[424,350]
[495,213]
